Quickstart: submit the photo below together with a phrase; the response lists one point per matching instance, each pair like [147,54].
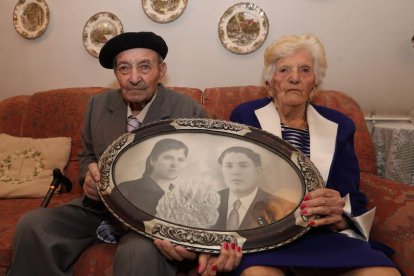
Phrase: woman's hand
[173,253]
[228,259]
[328,204]
[91,177]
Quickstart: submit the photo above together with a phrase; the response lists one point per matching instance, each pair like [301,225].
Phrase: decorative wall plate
[164,11]
[31,18]
[172,179]
[243,28]
[99,29]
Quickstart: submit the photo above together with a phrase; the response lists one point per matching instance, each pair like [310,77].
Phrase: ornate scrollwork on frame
[192,236]
[108,158]
[170,179]
[313,178]
[209,124]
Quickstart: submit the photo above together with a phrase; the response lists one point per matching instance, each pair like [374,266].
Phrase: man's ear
[163,70]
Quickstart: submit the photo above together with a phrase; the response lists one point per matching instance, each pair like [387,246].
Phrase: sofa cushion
[220,101]
[60,113]
[26,164]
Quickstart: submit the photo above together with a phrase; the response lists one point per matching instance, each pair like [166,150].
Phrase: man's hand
[173,253]
[89,186]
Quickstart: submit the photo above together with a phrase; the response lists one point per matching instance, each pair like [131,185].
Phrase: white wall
[368,45]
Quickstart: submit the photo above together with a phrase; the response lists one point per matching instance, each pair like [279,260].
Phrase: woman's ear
[313,92]
[269,90]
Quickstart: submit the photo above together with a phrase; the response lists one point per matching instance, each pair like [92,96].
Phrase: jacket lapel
[322,134]
[117,112]
[160,107]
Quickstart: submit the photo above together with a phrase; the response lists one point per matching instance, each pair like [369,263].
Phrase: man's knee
[33,219]
[133,244]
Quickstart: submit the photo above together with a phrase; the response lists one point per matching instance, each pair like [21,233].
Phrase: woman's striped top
[298,138]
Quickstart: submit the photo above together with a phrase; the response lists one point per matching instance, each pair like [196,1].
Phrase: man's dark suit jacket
[105,119]
[265,208]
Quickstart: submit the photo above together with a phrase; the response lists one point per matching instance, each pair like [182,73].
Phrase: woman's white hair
[288,45]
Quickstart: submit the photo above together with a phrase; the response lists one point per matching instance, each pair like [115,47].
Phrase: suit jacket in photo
[144,193]
[264,209]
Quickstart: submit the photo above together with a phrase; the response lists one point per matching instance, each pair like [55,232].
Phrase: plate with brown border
[243,28]
[98,30]
[164,11]
[31,18]
[178,179]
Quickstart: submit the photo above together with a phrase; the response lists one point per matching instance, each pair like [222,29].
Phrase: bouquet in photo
[190,203]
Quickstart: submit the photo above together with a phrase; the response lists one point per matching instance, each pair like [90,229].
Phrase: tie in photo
[233,219]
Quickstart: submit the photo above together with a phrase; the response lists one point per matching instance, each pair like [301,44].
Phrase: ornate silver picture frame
[180,180]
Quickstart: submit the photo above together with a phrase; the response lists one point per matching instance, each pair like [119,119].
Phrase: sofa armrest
[394,219]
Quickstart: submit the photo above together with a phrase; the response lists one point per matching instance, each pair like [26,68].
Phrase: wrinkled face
[293,79]
[240,173]
[169,164]
[138,72]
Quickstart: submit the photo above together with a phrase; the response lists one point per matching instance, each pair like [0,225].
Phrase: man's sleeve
[87,154]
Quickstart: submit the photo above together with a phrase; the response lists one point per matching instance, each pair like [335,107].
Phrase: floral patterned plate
[98,30]
[164,11]
[172,180]
[243,28]
[31,18]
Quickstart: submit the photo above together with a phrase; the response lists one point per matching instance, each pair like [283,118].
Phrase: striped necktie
[233,221]
[133,123]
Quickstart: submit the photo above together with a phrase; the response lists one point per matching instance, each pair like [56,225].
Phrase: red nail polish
[214,267]
[306,197]
[238,249]
[233,245]
[311,223]
[303,205]
[303,212]
[226,245]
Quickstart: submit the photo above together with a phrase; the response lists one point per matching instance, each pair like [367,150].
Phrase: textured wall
[368,43]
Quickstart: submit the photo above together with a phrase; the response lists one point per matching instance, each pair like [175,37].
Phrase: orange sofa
[41,115]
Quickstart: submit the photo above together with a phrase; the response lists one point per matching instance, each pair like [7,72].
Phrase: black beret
[131,40]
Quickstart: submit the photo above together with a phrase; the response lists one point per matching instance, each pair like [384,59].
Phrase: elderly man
[49,241]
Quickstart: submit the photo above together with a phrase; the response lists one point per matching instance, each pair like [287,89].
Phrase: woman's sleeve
[344,175]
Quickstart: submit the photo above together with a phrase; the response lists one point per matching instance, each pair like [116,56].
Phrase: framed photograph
[31,18]
[243,28]
[201,182]
[164,11]
[100,28]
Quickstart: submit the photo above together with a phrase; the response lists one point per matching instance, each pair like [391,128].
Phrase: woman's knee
[262,270]
[378,271]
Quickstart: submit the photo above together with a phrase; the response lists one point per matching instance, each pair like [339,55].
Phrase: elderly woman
[294,67]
